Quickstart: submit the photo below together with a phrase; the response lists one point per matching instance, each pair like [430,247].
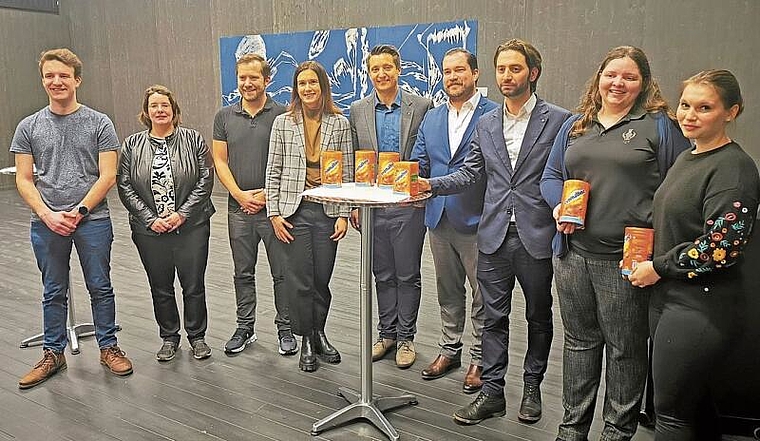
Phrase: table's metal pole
[364,404]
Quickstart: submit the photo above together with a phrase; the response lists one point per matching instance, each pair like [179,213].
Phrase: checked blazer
[286,164]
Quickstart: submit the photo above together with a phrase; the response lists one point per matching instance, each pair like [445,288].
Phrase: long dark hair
[650,98]
[328,106]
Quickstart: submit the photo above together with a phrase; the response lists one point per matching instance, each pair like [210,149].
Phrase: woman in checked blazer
[308,231]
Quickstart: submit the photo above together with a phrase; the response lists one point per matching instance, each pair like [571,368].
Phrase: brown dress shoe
[472,381]
[51,363]
[381,347]
[441,366]
[115,360]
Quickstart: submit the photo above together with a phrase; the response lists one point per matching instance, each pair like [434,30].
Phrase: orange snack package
[331,165]
[574,202]
[638,245]
[406,180]
[385,175]
[364,175]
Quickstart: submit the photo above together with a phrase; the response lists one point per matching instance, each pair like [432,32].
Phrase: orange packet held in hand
[638,245]
[574,202]
[364,172]
[407,178]
[386,171]
[331,166]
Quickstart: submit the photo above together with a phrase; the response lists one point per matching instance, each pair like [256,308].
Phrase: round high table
[74,330]
[364,404]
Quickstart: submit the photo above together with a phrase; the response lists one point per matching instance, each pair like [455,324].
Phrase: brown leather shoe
[51,363]
[441,366]
[115,360]
[405,354]
[382,347]
[472,381]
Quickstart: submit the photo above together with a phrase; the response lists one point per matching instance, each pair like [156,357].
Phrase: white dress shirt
[515,126]
[459,120]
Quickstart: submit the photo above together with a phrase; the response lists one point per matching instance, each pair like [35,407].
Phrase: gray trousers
[246,232]
[455,257]
[399,234]
[604,317]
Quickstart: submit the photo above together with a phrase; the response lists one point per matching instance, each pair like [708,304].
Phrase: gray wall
[129,45]
[24,35]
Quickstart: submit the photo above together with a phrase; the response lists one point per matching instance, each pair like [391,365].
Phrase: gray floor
[258,395]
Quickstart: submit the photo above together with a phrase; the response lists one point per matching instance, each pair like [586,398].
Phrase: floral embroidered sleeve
[727,227]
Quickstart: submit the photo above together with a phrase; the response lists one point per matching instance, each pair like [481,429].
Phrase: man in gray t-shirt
[74,151]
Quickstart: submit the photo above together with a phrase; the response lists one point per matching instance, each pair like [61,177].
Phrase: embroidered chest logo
[628,136]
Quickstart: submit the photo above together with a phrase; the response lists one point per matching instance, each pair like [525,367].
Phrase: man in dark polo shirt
[240,148]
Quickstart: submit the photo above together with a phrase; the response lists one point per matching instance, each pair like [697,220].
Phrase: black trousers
[693,326]
[308,268]
[497,273]
[186,253]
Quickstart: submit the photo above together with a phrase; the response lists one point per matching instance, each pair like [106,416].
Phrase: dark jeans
[692,329]
[93,239]
[185,252]
[310,262]
[497,273]
[246,231]
[603,315]
[397,250]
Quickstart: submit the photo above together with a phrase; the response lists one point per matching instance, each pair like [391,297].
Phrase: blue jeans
[246,232]
[603,315]
[92,239]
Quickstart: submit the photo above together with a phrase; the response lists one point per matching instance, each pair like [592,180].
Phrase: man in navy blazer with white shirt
[509,149]
[443,142]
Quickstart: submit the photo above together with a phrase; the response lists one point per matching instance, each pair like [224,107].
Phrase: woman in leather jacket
[165,180]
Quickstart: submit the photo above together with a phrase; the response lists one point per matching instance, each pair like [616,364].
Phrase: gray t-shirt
[65,149]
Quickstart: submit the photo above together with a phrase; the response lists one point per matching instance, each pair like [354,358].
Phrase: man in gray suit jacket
[510,148]
[387,120]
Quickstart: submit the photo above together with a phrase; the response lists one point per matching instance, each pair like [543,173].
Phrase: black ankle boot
[324,349]
[308,360]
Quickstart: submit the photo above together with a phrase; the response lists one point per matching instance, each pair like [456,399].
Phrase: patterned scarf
[161,179]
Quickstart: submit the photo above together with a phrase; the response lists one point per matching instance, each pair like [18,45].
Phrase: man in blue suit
[443,142]
[509,149]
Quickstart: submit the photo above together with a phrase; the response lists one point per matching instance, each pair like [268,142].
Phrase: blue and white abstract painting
[344,52]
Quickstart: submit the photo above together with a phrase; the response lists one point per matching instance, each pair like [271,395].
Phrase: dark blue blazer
[433,152]
[510,190]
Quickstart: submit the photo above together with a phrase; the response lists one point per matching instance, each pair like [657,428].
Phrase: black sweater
[704,211]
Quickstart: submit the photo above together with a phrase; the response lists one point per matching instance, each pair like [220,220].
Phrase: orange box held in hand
[638,245]
[385,175]
[574,202]
[331,165]
[407,178]
[364,175]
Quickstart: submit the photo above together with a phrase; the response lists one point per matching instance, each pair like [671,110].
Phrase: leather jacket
[192,169]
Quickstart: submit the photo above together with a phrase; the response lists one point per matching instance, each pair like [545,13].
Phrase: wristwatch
[83,210]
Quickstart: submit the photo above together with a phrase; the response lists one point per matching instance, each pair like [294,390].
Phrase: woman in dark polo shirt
[622,143]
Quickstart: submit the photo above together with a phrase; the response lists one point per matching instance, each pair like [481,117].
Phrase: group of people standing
[496,171]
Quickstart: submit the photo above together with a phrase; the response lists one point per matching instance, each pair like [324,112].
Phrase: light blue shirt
[388,125]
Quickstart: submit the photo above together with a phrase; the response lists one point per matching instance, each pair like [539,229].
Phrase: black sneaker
[168,351]
[200,349]
[484,406]
[239,341]
[288,344]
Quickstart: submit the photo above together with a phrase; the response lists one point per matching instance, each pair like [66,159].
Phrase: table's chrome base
[74,333]
[371,411]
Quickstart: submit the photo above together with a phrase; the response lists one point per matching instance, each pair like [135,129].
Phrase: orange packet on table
[407,178]
[386,172]
[364,172]
[638,245]
[331,167]
[574,202]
